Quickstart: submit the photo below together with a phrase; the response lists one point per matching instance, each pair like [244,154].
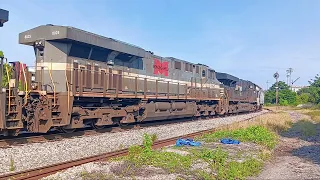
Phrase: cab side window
[203,73]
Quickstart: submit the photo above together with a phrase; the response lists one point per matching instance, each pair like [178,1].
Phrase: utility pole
[267,84]
[289,71]
[276,76]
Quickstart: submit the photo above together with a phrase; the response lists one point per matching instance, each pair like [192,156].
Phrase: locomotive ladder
[13,112]
[55,104]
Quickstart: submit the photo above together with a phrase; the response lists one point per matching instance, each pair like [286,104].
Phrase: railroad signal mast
[289,82]
[276,76]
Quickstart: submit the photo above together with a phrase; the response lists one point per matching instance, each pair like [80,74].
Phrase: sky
[250,39]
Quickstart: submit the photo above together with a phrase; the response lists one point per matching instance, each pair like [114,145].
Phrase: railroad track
[52,169]
[55,136]
[48,170]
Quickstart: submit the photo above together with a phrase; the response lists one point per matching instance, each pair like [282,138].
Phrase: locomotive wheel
[93,124]
[66,130]
[123,124]
[13,132]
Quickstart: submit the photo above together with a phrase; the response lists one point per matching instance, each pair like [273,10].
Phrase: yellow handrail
[54,86]
[25,83]
[8,77]
[68,88]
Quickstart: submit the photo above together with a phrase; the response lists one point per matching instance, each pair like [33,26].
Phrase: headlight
[34,86]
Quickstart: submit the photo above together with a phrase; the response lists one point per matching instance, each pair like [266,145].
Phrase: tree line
[310,94]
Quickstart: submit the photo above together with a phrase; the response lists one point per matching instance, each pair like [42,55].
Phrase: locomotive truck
[84,79]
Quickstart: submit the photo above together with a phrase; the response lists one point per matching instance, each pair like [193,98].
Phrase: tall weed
[257,134]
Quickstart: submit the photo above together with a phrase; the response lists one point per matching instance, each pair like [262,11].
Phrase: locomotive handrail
[145,78]
[54,86]
[105,71]
[9,93]
[68,89]
[26,84]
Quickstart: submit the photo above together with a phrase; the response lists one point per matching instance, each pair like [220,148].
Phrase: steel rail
[45,171]
[41,172]
[57,136]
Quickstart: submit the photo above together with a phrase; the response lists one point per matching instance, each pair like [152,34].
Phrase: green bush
[5,82]
[303,98]
[286,96]
[256,134]
[240,170]
[167,160]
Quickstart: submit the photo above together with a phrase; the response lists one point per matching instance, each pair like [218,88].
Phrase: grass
[313,113]
[282,108]
[256,134]
[95,175]
[169,161]
[176,163]
[305,128]
[217,155]
[261,130]
[12,166]
[275,121]
[217,158]
[240,170]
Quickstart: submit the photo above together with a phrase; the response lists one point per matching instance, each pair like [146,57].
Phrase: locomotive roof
[67,33]
[226,76]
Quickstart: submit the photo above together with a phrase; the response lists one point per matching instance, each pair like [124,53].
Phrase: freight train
[84,79]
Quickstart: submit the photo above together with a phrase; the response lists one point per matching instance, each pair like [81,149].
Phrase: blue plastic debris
[188,142]
[229,141]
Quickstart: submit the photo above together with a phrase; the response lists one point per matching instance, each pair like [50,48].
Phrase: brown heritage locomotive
[85,79]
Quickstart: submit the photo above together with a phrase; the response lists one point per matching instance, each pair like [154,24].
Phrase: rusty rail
[51,169]
[41,172]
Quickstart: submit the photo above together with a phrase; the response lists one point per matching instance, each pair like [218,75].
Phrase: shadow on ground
[304,130]
[311,153]
[309,133]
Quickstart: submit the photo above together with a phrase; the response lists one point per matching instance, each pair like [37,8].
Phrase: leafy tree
[303,98]
[310,94]
[4,80]
[315,82]
[282,86]
[286,96]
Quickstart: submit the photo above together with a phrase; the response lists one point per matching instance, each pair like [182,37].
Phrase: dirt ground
[298,153]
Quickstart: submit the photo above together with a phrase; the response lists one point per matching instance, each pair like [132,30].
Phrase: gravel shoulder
[35,155]
[297,155]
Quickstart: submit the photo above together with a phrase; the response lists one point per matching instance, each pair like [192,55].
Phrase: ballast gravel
[30,156]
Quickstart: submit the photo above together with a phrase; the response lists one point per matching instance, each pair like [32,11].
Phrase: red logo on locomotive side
[161,68]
